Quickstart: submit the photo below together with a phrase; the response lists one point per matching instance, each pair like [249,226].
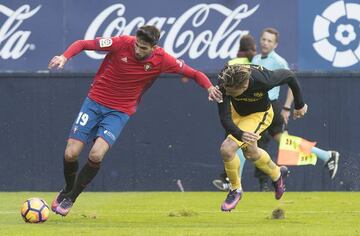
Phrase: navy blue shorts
[95,120]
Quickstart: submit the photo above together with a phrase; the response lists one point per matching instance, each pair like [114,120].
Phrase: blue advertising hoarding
[320,35]
[329,32]
[205,34]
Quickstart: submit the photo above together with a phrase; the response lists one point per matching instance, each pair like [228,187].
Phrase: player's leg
[70,166]
[257,123]
[330,158]
[276,127]
[232,164]
[80,133]
[262,160]
[260,157]
[263,179]
[223,183]
[91,167]
[86,175]
[109,130]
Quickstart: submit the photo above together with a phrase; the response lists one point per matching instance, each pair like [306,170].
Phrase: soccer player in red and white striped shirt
[130,67]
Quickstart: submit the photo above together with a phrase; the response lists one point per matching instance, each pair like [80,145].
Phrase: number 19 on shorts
[82,119]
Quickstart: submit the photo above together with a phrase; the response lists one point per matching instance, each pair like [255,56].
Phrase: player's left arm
[283,76]
[286,109]
[173,65]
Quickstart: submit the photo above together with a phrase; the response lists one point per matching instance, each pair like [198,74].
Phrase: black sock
[70,170]
[86,175]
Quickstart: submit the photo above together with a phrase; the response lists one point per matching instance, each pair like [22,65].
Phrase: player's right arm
[98,44]
[225,117]
[229,125]
[173,65]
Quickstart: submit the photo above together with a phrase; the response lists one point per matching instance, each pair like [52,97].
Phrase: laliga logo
[343,22]
[180,40]
[13,42]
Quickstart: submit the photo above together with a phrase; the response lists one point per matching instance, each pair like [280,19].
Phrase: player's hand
[215,94]
[249,137]
[301,112]
[285,115]
[57,62]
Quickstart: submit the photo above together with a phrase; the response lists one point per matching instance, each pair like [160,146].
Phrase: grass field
[189,213]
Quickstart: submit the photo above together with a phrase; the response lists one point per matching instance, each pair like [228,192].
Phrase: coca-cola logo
[217,41]
[13,41]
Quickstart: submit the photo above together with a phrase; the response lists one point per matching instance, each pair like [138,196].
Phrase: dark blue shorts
[95,120]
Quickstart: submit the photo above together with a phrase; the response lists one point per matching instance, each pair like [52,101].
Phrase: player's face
[142,49]
[267,43]
[237,91]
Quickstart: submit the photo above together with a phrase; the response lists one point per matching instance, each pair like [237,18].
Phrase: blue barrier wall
[174,135]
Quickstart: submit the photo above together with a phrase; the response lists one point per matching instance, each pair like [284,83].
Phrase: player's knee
[71,153]
[252,153]
[73,150]
[226,152]
[96,155]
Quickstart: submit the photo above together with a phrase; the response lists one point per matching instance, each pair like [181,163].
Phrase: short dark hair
[247,47]
[149,34]
[234,75]
[272,31]
[247,42]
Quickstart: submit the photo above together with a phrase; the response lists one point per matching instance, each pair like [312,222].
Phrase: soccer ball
[35,210]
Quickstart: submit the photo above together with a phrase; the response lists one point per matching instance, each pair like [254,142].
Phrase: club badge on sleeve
[105,42]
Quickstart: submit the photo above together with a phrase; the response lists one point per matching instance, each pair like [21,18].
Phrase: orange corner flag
[295,151]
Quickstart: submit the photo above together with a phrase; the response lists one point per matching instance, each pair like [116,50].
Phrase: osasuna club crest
[147,66]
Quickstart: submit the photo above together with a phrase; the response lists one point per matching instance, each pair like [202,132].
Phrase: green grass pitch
[189,213]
